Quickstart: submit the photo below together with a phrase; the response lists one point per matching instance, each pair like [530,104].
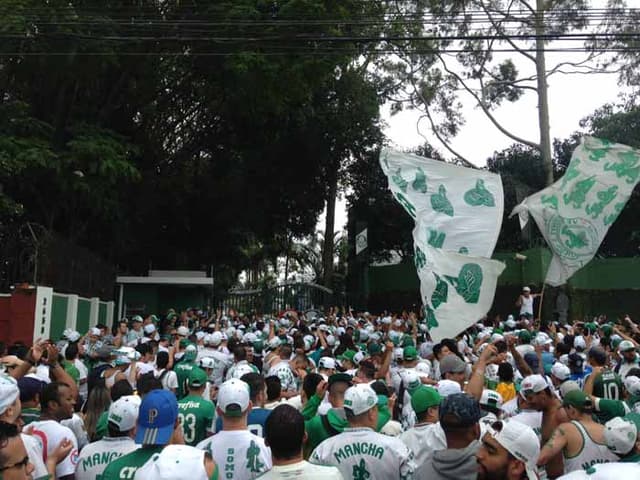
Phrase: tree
[467,58]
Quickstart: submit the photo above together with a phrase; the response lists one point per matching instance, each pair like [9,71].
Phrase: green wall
[58,316]
[102,313]
[84,312]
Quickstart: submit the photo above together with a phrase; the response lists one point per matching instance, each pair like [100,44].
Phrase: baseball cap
[520,441]
[9,392]
[410,353]
[560,371]
[568,386]
[577,399]
[491,400]
[526,289]
[156,418]
[233,397]
[358,357]
[94,331]
[580,342]
[411,381]
[424,398]
[29,386]
[190,352]
[182,331]
[174,462]
[208,362]
[123,413]
[542,339]
[524,336]
[347,355]
[632,384]
[626,346]
[533,384]
[374,349]
[452,364]
[448,387]
[459,410]
[327,362]
[620,435]
[137,319]
[150,328]
[607,330]
[197,378]
[360,398]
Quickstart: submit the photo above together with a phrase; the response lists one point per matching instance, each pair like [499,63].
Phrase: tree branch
[486,111]
[499,30]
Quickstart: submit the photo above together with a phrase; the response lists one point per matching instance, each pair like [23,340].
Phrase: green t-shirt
[30,415]
[196,417]
[72,370]
[183,370]
[608,385]
[125,467]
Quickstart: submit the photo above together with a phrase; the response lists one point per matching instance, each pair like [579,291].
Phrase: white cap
[542,339]
[567,387]
[73,336]
[358,357]
[200,335]
[448,387]
[423,368]
[331,340]
[124,412]
[632,384]
[520,441]
[216,338]
[534,384]
[150,328]
[308,340]
[491,398]
[386,320]
[410,380]
[526,289]
[174,462]
[398,323]
[94,331]
[274,343]
[511,323]
[327,362]
[626,345]
[207,362]
[9,392]
[183,331]
[359,398]
[560,371]
[620,435]
[605,471]
[233,392]
[579,342]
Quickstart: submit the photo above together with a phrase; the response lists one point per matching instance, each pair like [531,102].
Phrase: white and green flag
[458,214]
[575,213]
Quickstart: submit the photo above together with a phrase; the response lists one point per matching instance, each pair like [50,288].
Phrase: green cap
[197,378]
[424,398]
[409,353]
[374,348]
[524,336]
[498,330]
[347,355]
[577,399]
[184,342]
[607,330]
[407,341]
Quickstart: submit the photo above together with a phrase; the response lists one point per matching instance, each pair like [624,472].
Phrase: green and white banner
[458,214]
[575,213]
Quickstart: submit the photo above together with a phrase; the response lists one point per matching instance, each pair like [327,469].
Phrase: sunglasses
[21,464]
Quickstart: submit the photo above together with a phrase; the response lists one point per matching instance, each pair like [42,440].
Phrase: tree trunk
[543,97]
[327,249]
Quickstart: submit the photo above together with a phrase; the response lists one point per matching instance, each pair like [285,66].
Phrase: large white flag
[458,214]
[575,213]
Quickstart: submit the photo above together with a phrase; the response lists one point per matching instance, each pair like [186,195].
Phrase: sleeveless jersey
[196,417]
[591,453]
[361,453]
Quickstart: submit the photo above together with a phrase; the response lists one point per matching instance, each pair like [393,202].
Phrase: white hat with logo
[174,462]
[124,412]
[520,441]
[448,387]
[632,384]
[233,397]
[620,435]
[360,398]
[327,362]
[560,371]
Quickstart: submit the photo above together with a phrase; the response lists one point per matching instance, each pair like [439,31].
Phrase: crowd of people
[222,395]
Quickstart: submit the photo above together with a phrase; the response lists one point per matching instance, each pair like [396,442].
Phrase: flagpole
[540,305]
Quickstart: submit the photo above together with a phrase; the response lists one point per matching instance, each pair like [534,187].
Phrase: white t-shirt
[95,457]
[76,424]
[169,381]
[363,453]
[34,450]
[83,388]
[303,471]
[422,440]
[50,433]
[238,452]
[283,371]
